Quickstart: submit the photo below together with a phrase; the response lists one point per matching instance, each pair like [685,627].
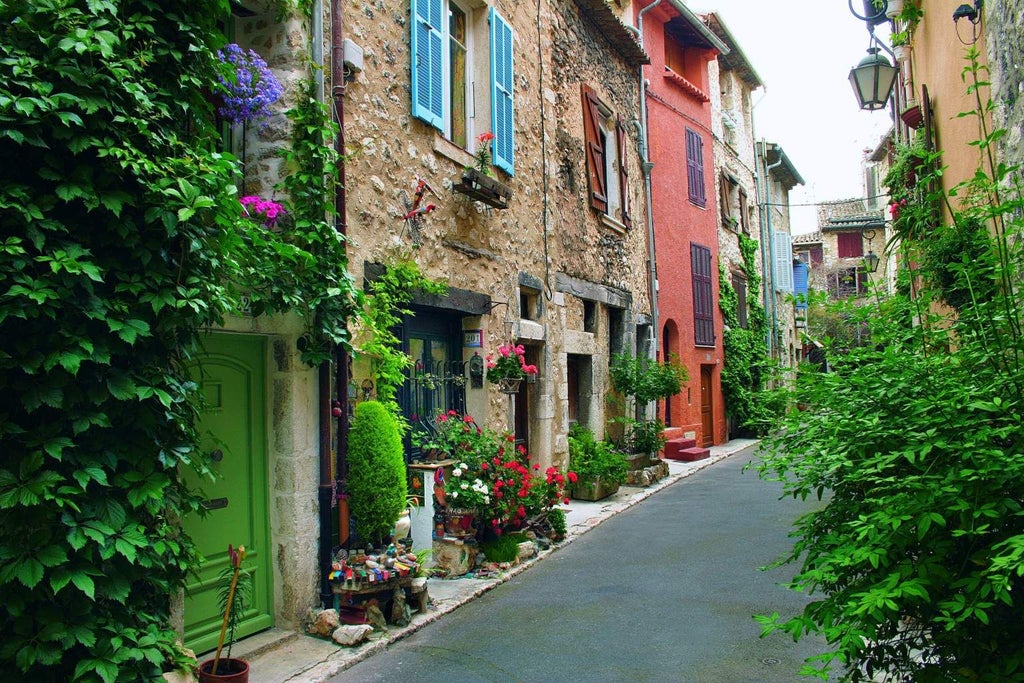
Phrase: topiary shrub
[376,470]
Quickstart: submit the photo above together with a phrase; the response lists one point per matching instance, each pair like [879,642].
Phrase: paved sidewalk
[280,656]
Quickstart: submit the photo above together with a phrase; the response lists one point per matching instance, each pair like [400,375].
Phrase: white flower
[456,472]
[487,500]
[454,494]
[463,465]
[464,486]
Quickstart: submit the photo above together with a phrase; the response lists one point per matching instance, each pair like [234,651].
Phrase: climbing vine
[388,297]
[747,368]
[123,239]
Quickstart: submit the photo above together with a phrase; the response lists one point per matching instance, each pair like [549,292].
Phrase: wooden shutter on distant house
[695,167]
[620,138]
[502,119]
[427,62]
[594,149]
[850,245]
[703,296]
[743,212]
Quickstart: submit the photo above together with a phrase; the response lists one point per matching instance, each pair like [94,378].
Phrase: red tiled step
[695,453]
[674,447]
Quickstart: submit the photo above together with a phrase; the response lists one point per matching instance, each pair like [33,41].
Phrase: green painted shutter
[501,93]
[427,62]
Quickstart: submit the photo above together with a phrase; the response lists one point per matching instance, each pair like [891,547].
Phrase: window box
[484,188]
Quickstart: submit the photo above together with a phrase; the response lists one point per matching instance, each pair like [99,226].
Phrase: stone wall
[548,228]
[1004,22]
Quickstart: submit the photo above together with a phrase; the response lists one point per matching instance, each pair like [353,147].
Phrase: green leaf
[29,572]
[84,583]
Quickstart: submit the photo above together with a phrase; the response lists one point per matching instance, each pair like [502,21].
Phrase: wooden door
[232,425]
[707,413]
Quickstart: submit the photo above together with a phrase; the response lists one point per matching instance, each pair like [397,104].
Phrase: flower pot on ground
[593,488]
[599,468]
[234,598]
[232,671]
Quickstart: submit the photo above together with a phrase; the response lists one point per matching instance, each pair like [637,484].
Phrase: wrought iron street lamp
[872,80]
[871,261]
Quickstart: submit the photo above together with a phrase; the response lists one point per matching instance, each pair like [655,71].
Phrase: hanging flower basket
[509,385]
[508,367]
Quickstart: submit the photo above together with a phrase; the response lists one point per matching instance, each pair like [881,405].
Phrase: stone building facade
[777,176]
[1005,29]
[551,252]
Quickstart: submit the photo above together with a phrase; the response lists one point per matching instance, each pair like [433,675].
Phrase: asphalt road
[664,591]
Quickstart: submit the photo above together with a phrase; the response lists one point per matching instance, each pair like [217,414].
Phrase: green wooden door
[233,429]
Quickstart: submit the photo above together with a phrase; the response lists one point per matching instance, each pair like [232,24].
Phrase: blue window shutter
[800,284]
[427,62]
[502,124]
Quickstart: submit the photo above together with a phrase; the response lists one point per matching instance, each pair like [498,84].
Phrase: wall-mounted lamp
[476,371]
[872,79]
[871,261]
[971,14]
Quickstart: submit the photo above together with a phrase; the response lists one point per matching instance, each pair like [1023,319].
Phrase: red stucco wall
[672,109]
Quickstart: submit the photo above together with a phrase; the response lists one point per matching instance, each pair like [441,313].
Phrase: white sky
[803,53]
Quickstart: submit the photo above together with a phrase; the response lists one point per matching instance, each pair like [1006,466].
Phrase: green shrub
[376,471]
[503,548]
[559,527]
[590,458]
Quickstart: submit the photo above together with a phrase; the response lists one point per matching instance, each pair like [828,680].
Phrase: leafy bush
[590,458]
[914,442]
[376,475]
[503,548]
[645,379]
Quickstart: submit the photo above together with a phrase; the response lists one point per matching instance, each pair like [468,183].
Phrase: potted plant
[599,469]
[377,481]
[478,181]
[234,598]
[645,380]
[246,87]
[508,367]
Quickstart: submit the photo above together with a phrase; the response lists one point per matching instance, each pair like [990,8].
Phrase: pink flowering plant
[509,362]
[246,84]
[265,211]
[483,158]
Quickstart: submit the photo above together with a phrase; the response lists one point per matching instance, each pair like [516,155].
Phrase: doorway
[232,378]
[707,412]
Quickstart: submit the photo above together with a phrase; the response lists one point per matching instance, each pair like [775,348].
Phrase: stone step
[691,454]
[675,446]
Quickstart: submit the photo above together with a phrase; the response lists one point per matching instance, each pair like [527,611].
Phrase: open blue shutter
[427,62]
[501,93]
[800,285]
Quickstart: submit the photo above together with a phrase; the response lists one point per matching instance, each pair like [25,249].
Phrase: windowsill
[613,225]
[450,150]
[686,86]
[706,346]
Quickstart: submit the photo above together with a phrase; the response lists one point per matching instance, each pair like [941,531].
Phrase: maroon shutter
[620,136]
[850,245]
[703,296]
[743,214]
[594,149]
[695,167]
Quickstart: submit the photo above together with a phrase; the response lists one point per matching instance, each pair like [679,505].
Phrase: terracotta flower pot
[229,671]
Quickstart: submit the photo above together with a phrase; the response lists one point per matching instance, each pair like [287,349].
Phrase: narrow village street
[661,592]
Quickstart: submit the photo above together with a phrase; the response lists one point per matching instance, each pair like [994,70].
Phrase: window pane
[457,46]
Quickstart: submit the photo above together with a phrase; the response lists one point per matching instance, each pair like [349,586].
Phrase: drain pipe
[328,474]
[769,294]
[646,165]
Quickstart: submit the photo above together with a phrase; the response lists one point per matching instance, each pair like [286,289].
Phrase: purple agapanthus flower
[247,96]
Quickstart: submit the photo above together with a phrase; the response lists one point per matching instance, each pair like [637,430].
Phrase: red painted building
[685,212]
